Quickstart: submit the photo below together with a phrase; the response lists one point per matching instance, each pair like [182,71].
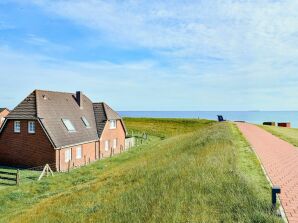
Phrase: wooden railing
[10,176]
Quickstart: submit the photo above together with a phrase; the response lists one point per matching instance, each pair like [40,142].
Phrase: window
[85,121]
[113,124]
[114,143]
[68,125]
[31,127]
[79,152]
[67,155]
[17,126]
[107,145]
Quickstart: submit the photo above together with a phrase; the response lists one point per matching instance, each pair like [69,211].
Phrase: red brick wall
[91,150]
[24,149]
[3,114]
[88,152]
[110,134]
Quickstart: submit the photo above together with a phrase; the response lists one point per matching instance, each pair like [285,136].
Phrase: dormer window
[68,124]
[113,124]
[85,121]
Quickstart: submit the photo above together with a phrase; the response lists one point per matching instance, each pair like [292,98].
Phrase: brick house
[61,129]
[3,113]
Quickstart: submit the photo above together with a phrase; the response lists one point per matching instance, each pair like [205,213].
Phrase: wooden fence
[10,176]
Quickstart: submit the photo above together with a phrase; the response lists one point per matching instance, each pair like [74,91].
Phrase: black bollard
[275,190]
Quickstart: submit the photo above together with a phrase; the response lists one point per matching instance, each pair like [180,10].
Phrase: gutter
[76,144]
[46,132]
[3,124]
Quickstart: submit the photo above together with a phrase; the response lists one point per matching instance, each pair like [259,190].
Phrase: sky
[153,55]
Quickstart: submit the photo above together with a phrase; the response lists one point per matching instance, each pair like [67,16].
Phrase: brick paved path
[280,160]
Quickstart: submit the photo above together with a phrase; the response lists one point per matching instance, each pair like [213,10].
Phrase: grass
[201,172]
[26,175]
[164,127]
[288,134]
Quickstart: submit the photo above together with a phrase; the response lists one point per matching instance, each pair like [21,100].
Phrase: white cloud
[144,85]
[225,28]
[220,54]
[46,45]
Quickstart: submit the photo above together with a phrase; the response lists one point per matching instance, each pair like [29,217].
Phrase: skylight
[85,121]
[69,126]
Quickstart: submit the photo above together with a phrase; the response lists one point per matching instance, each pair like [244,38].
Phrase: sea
[256,117]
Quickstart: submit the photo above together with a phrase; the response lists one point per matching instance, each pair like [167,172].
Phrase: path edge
[281,209]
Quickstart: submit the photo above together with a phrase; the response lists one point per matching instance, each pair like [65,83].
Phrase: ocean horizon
[256,117]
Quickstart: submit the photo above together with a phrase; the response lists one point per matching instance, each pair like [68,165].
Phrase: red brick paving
[280,161]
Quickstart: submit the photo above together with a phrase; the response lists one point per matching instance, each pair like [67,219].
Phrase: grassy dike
[288,134]
[201,172]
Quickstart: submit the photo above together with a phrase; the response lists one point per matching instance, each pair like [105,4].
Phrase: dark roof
[100,117]
[26,109]
[51,107]
[103,113]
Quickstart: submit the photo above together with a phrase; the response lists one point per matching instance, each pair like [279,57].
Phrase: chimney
[79,97]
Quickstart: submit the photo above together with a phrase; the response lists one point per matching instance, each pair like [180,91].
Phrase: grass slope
[288,134]
[165,127]
[208,174]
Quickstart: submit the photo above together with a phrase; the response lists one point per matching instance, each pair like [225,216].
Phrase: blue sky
[153,55]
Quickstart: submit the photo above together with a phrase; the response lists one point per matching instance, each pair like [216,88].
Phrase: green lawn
[201,172]
[164,127]
[288,134]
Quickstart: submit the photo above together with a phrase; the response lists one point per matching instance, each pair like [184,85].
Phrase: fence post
[111,152]
[89,160]
[85,160]
[18,177]
[68,166]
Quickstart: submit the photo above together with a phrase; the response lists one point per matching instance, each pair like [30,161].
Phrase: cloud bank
[206,55]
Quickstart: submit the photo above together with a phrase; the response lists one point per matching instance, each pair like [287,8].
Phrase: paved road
[280,160]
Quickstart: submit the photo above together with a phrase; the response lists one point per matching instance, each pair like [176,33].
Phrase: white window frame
[67,155]
[107,145]
[31,127]
[17,126]
[115,143]
[114,125]
[79,152]
[68,125]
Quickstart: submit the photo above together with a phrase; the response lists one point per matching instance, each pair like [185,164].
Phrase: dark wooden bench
[220,118]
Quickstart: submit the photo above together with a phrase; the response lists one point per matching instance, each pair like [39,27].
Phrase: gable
[26,109]
[103,113]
